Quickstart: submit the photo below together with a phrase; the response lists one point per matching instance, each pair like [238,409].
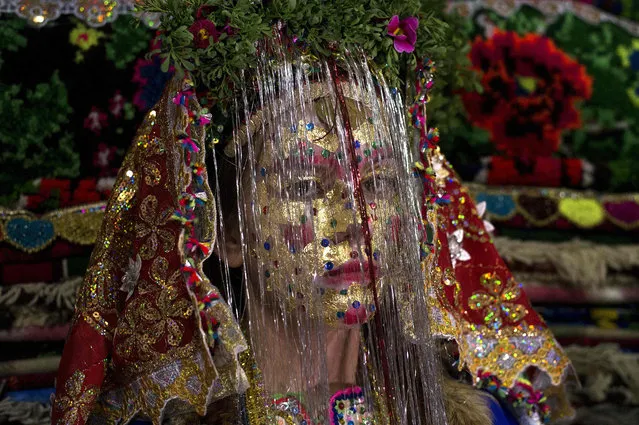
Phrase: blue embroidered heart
[498,206]
[29,235]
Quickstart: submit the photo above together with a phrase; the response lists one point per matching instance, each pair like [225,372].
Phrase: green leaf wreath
[324,28]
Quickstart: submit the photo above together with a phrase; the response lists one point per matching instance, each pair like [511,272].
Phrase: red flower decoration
[530,91]
[404,32]
[202,30]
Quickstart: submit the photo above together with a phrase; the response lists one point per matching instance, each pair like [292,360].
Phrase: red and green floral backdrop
[558,103]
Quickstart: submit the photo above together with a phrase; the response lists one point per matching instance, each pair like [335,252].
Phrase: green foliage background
[33,142]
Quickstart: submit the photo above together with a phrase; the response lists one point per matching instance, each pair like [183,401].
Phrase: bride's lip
[343,276]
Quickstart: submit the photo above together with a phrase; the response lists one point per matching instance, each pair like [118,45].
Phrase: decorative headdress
[322,109]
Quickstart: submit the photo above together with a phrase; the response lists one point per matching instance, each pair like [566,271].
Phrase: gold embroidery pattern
[100,289]
[149,228]
[152,175]
[75,403]
[504,344]
[188,379]
[498,302]
[148,320]
[508,352]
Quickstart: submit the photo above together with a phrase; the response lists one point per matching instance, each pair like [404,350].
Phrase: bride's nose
[353,234]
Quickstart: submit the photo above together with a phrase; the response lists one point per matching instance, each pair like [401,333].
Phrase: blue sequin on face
[328,266]
[357,144]
[356,304]
[340,315]
[267,246]
[325,242]
[263,171]
[371,307]
[310,126]
[293,129]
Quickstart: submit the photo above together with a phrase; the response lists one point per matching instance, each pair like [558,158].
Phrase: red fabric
[85,351]
[165,200]
[484,258]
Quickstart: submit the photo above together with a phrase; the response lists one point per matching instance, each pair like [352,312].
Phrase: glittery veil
[330,230]
[149,329]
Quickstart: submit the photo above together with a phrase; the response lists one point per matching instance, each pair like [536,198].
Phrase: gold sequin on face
[308,223]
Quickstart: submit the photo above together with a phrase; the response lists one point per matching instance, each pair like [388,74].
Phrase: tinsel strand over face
[331,224]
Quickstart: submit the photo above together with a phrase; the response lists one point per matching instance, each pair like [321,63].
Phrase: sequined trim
[508,352]
[98,323]
[30,233]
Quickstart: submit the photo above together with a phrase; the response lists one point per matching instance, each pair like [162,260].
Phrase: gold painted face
[308,227]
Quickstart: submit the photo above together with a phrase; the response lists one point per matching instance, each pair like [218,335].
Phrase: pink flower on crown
[404,32]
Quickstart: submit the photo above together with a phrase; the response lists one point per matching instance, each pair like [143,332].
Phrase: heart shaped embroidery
[584,213]
[539,210]
[500,207]
[29,235]
[625,213]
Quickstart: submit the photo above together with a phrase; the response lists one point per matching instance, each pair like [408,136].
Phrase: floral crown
[217,42]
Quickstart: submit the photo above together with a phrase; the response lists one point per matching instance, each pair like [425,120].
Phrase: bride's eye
[304,189]
[379,185]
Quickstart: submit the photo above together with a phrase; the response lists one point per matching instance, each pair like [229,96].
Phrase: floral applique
[457,252]
[150,227]
[481,210]
[74,402]
[498,302]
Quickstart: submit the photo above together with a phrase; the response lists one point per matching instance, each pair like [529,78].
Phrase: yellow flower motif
[498,301]
[74,402]
[84,37]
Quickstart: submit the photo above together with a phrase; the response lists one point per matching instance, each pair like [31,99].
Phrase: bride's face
[309,235]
